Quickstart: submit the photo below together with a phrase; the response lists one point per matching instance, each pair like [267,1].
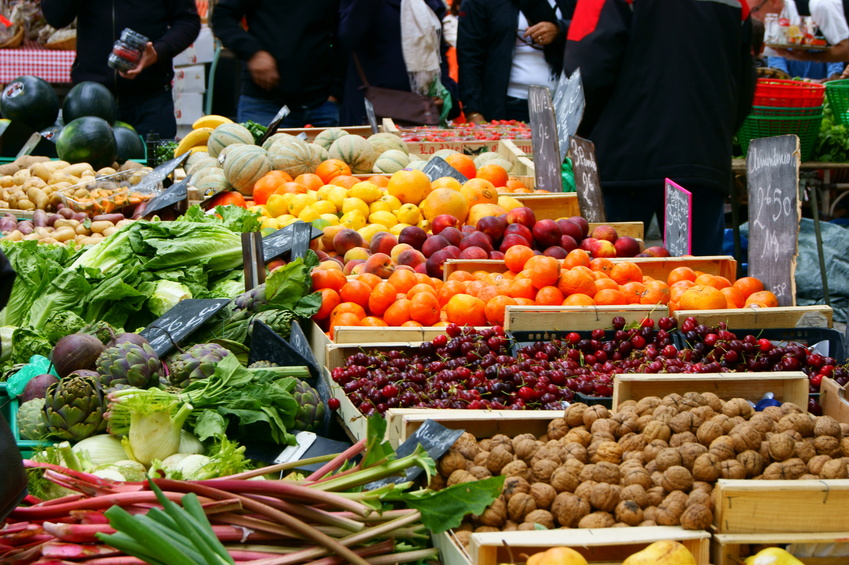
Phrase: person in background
[829,15]
[449,34]
[143,93]
[667,85]
[504,46]
[290,58]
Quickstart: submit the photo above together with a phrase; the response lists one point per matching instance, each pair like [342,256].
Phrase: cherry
[333,404]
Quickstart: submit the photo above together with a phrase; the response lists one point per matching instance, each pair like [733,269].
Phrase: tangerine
[496,307]
[410,187]
[762,299]
[382,297]
[369,278]
[347,308]
[443,201]
[398,312]
[343,320]
[604,283]
[576,257]
[514,185]
[380,180]
[267,184]
[601,265]
[633,291]
[357,292]
[549,296]
[494,173]
[626,272]
[421,288]
[609,296]
[479,191]
[327,278]
[578,299]
[310,180]
[447,182]
[522,288]
[734,297]
[544,271]
[680,274]
[345,181]
[748,286]
[657,292]
[516,257]
[403,280]
[329,169]
[449,289]
[290,187]
[329,300]
[702,297]
[465,310]
[576,281]
[424,308]
[373,321]
[679,288]
[463,163]
[411,324]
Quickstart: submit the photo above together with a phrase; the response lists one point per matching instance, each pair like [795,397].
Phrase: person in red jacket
[667,86]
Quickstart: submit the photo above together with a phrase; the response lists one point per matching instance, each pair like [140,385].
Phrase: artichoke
[73,407]
[251,299]
[30,418]
[310,407]
[262,364]
[129,364]
[278,320]
[196,363]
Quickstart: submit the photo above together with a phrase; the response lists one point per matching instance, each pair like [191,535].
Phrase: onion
[36,387]
[127,338]
[76,351]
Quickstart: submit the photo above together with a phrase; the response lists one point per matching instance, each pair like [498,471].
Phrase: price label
[545,142]
[569,106]
[177,195]
[772,170]
[587,183]
[294,239]
[437,167]
[678,226]
[180,321]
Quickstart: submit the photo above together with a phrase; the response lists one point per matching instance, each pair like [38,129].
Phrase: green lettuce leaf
[233,218]
[173,245]
[444,509]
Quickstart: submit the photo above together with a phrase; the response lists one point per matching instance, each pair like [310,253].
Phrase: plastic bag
[38,365]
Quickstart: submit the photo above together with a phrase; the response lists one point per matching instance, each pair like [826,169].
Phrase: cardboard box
[201,51]
[188,107]
[190,79]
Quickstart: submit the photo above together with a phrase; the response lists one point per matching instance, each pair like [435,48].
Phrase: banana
[211,121]
[197,148]
[192,139]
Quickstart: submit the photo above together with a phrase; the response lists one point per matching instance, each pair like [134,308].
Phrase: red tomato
[230,198]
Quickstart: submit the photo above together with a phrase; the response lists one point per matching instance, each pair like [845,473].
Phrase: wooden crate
[777,507]
[725,548]
[522,165]
[550,206]
[833,400]
[818,316]
[789,386]
[598,546]
[311,133]
[575,318]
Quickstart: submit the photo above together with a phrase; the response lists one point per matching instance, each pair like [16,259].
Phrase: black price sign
[587,183]
[180,321]
[272,127]
[177,195]
[569,106]
[268,345]
[772,170]
[678,226]
[545,142]
[162,172]
[294,238]
[372,118]
[438,167]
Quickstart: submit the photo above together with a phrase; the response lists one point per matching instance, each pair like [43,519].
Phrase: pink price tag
[5,21]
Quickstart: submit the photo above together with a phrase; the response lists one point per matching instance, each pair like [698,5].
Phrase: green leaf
[210,424]
[444,509]
[308,305]
[377,449]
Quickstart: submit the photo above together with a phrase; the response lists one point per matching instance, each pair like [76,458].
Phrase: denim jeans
[517,109]
[154,114]
[263,111]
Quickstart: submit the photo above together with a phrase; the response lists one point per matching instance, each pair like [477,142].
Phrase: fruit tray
[725,548]
[816,316]
[111,193]
[530,323]
[804,336]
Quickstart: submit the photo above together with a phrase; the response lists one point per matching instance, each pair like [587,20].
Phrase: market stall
[33,58]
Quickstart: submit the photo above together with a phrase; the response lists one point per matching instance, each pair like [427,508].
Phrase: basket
[788,93]
[782,112]
[838,98]
[806,127]
[15,40]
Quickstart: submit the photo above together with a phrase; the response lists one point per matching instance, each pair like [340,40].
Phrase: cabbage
[101,449]
[166,295]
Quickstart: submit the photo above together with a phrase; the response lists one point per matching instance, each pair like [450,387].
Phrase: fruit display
[65,227]
[489,131]
[663,552]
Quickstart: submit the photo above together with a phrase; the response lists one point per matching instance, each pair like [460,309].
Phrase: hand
[263,69]
[845,73]
[149,57]
[475,118]
[439,102]
[542,33]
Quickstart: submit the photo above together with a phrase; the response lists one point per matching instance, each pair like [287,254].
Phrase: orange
[265,186]
[626,272]
[712,280]
[657,292]
[398,313]
[516,257]
[463,163]
[544,271]
[680,274]
[403,280]
[549,296]
[327,278]
[373,321]
[347,308]
[345,181]
[575,281]
[514,184]
[702,297]
[310,180]
[443,201]
[495,309]
[411,324]
[609,296]
[679,288]
[496,174]
[290,188]
[343,320]
[382,297]
[380,180]
[490,291]
[462,276]
[578,299]
[601,265]
[424,308]
[410,187]
[332,168]
[465,310]
[605,283]
[576,257]
[633,291]
[357,292]
[369,278]
[329,300]
[449,289]
[424,279]
[748,285]
[733,297]
[474,287]
[421,288]
[524,301]
[479,191]
[446,182]
[522,288]
[763,299]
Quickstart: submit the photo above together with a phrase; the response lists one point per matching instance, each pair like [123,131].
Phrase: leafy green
[234,218]
[166,295]
[61,323]
[172,245]
[289,287]
[444,509]
[257,130]
[26,343]
[832,145]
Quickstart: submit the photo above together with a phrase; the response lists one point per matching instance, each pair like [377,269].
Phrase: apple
[411,257]
[413,236]
[396,251]
[421,268]
[356,253]
[473,253]
[587,243]
[570,228]
[346,239]
[493,226]
[383,242]
[581,221]
[605,232]
[521,230]
[522,215]
[568,243]
[512,239]
[433,244]
[452,250]
[602,248]
[496,255]
[555,251]
[546,233]
[275,263]
[443,221]
[477,239]
[351,265]
[452,234]
[436,262]
[627,246]
[379,264]
[656,251]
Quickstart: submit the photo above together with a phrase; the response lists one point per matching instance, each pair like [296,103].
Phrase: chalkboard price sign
[272,127]
[177,195]
[678,227]
[438,167]
[268,345]
[294,238]
[587,183]
[180,321]
[569,108]
[547,159]
[772,170]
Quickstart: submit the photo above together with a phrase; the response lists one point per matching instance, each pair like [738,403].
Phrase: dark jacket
[299,35]
[667,85]
[372,29]
[172,25]
[485,40]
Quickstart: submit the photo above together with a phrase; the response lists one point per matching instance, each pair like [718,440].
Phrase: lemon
[277,205]
[324,207]
[386,219]
[425,225]
[366,191]
[378,206]
[336,195]
[354,220]
[300,201]
[308,214]
[397,228]
[324,192]
[270,223]
[320,223]
[370,231]
[355,204]
[331,219]
[508,202]
[409,214]
[393,202]
[258,208]
[285,220]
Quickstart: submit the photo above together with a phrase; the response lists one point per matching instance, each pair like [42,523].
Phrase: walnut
[574,450]
[647,524]
[569,508]
[674,399]
[519,505]
[608,451]
[632,442]
[510,526]
[627,423]
[518,469]
[685,422]
[723,448]
[802,423]
[655,495]
[683,438]
[745,437]
[541,517]
[738,407]
[724,421]
[762,422]
[653,448]
[607,426]
[542,470]
[597,520]
[437,482]
[667,458]
[605,497]
[485,444]
[543,495]
[677,478]
[781,446]
[467,445]
[703,412]
[835,469]
[712,400]
[669,514]
[585,489]
[643,422]
[664,413]
[790,408]
[697,517]
[773,412]
[574,465]
[501,439]
[574,415]
[551,452]
[627,406]
[580,435]
[732,469]
[605,472]
[486,529]
[844,446]
[514,485]
[636,476]
[815,463]
[703,485]
[481,457]
[628,512]
[460,476]
[564,480]
[809,477]
[586,473]
[804,450]
[495,514]
[828,445]
[526,449]
[463,537]
[450,462]
[689,452]
[844,429]
[480,472]
[706,468]
[698,496]
[557,428]
[638,456]
[791,469]
[650,514]
[752,462]
[498,458]
[593,413]
[647,405]
[657,479]
[651,467]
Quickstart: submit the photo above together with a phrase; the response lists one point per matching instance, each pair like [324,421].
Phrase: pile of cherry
[482,369]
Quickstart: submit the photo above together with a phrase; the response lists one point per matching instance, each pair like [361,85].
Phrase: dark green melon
[88,140]
[31,101]
[130,144]
[89,99]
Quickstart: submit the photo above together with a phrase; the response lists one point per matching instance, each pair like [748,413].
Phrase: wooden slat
[575,318]
[819,316]
[725,548]
[551,206]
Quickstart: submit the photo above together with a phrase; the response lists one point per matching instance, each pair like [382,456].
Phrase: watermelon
[130,144]
[88,140]
[89,98]
[31,101]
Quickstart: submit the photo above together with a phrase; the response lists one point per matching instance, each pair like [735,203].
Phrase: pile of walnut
[653,462]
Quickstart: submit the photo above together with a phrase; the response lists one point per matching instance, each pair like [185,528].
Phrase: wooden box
[575,318]
[598,546]
[818,316]
[550,206]
[833,401]
[790,386]
[725,548]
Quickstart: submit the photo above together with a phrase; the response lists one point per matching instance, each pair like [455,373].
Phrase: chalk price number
[772,204]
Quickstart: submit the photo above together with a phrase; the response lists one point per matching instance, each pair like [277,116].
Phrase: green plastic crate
[9,411]
[806,127]
[837,92]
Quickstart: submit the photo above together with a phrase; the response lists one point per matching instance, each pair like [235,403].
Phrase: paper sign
[438,167]
[678,226]
[587,183]
[546,146]
[569,106]
[180,321]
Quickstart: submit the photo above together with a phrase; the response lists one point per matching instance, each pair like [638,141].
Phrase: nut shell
[569,509]
[628,512]
[697,517]
[597,520]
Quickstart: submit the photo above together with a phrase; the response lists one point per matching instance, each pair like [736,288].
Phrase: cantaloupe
[203,173]
[318,152]
[417,164]
[391,161]
[443,153]
[211,183]
[382,142]
[201,164]
[270,141]
[293,156]
[485,158]
[227,134]
[355,151]
[328,136]
[195,157]
[225,152]
[246,165]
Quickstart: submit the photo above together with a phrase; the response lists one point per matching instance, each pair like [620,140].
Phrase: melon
[485,158]
[391,161]
[196,157]
[211,183]
[328,136]
[382,142]
[129,142]
[227,134]
[355,151]
[318,152]
[222,155]
[89,98]
[87,140]
[503,163]
[443,153]
[244,166]
[204,172]
[270,141]
[293,156]
[418,164]
[31,101]
[202,164]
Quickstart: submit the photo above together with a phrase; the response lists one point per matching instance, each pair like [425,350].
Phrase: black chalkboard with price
[678,224]
[547,159]
[587,183]
[180,321]
[772,170]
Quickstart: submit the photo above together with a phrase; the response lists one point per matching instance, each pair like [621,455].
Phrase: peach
[587,244]
[452,234]
[627,246]
[656,251]
[443,221]
[356,253]
[555,251]
[603,248]
[493,226]
[331,264]
[383,242]
[546,233]
[274,263]
[512,239]
[568,243]
[379,264]
[605,232]
[570,228]
[433,244]
[411,257]
[477,239]
[521,230]
[473,253]
[496,255]
[414,236]
[396,251]
[522,215]
[436,262]
[346,239]
[351,265]
[581,221]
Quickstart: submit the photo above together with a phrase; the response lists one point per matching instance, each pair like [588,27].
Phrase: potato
[63,223]
[25,204]
[64,234]
[105,171]
[38,197]
[109,231]
[61,176]
[82,230]
[79,170]
[9,169]
[42,171]
[130,165]
[6,181]
[42,230]
[36,182]
[99,227]
[89,241]
[123,223]
[21,176]
[15,235]
[27,161]
[31,237]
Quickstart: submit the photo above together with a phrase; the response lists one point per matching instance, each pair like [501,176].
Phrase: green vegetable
[257,130]
[62,323]
[225,458]
[6,333]
[166,295]
[26,343]
[101,449]
[121,470]
[832,145]
[74,407]
[164,151]
[233,218]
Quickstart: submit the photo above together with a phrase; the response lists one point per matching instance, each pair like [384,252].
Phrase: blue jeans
[154,114]
[263,111]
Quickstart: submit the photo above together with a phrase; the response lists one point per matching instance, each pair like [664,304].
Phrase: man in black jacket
[290,58]
[144,93]
[667,86]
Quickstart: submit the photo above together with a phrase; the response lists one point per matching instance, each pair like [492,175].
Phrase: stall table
[32,58]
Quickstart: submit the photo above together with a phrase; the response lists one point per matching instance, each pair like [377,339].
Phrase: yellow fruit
[425,225]
[258,208]
[773,556]
[557,556]
[277,205]
[332,219]
[355,204]
[445,201]
[410,187]
[324,207]
[299,202]
[398,228]
[284,221]
[193,138]
[366,191]
[479,191]
[386,219]
[270,223]
[336,195]
[409,214]
[308,214]
[330,265]
[508,202]
[211,121]
[378,206]
[447,182]
[479,211]
[665,552]
[354,220]
[369,232]
[198,148]
[393,202]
